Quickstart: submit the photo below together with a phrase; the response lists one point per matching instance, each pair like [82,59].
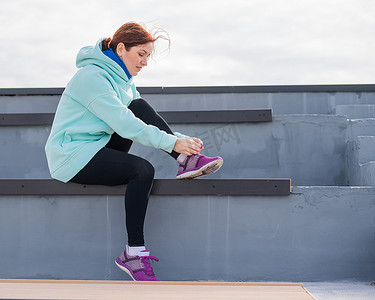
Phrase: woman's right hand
[188,146]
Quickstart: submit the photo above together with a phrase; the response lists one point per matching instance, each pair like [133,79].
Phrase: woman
[99,115]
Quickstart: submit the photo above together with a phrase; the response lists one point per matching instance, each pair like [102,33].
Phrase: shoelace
[146,263]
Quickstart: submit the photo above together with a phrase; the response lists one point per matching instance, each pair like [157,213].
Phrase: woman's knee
[145,170]
[141,108]
[138,105]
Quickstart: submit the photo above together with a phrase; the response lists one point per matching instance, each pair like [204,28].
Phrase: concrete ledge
[250,187]
[212,89]
[282,99]
[173,117]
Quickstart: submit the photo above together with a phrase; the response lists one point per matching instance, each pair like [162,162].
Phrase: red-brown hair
[131,34]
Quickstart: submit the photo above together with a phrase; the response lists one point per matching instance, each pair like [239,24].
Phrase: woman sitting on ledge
[99,115]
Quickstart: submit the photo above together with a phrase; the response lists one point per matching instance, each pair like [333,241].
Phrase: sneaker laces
[146,263]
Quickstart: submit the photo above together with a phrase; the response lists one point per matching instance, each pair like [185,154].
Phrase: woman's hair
[132,34]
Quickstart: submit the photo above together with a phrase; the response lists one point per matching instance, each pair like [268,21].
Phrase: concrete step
[172,117]
[360,127]
[315,233]
[356,111]
[304,99]
[368,174]
[238,187]
[309,149]
[363,149]
[361,158]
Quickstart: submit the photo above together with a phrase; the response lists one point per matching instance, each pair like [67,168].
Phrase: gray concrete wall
[281,103]
[361,155]
[356,111]
[23,155]
[315,234]
[368,174]
[29,104]
[318,233]
[22,152]
[309,149]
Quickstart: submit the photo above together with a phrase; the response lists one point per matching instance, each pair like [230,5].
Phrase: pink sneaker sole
[207,169]
[125,269]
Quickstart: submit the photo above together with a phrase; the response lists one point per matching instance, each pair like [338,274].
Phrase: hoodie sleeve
[109,108]
[136,94]
[94,89]
[180,135]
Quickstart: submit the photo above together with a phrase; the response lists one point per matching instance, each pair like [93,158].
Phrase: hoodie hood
[93,55]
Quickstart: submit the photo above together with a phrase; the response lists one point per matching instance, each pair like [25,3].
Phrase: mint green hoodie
[92,107]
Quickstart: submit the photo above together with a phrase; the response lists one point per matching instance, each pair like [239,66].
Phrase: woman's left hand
[198,141]
[188,145]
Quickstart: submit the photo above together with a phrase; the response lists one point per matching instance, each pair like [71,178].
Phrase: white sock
[133,251]
[181,158]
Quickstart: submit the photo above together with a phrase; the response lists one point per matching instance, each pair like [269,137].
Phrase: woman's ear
[120,49]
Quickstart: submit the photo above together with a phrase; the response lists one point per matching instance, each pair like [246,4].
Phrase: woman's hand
[188,146]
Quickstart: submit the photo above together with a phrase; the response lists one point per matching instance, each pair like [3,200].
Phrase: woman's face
[136,58]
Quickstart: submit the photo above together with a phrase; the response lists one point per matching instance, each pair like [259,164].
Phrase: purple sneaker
[197,165]
[138,267]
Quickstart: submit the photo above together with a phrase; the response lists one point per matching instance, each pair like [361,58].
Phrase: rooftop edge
[213,89]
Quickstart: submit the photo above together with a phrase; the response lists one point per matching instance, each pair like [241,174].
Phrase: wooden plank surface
[78,289]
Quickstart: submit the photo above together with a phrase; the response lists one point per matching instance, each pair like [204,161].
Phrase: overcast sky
[238,42]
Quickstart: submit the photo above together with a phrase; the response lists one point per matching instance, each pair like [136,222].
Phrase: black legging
[113,165]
